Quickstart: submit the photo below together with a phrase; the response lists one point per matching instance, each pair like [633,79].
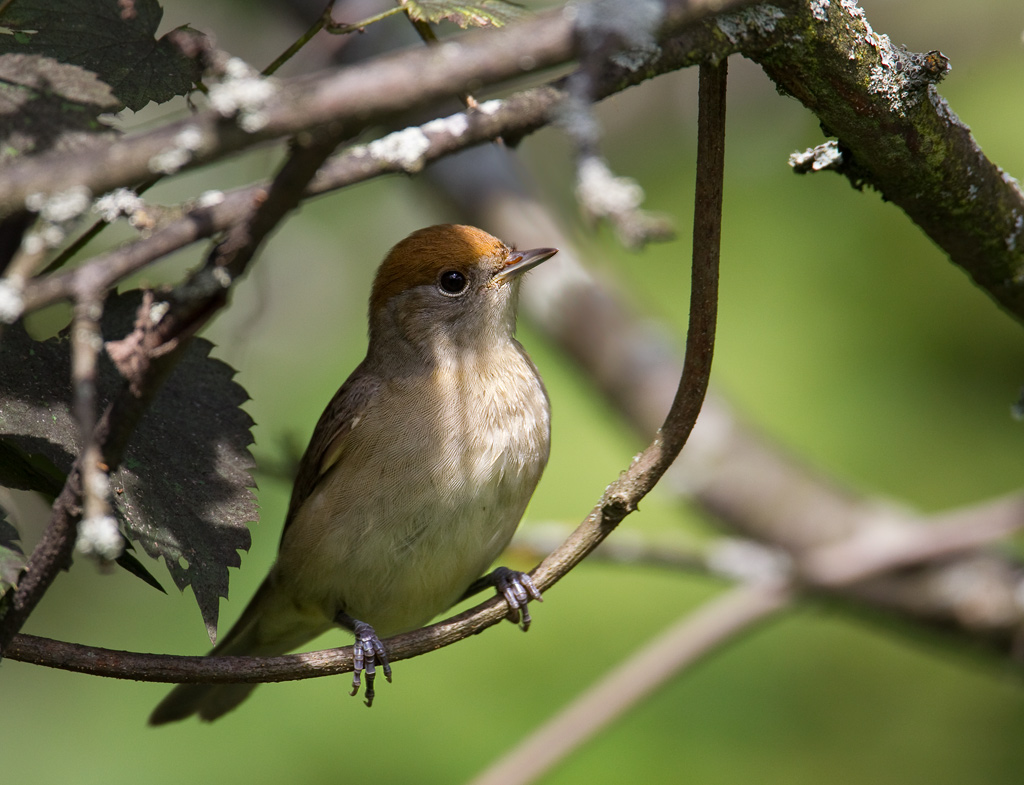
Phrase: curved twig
[620,498]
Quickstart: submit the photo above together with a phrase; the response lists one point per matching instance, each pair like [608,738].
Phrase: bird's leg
[367,653]
[517,588]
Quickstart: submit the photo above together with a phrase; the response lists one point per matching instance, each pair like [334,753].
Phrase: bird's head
[447,288]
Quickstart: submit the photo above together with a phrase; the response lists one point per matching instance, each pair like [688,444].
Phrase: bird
[417,473]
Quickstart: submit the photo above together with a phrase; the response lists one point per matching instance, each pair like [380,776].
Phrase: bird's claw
[518,589]
[367,653]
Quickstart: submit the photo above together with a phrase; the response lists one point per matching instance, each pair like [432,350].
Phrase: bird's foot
[518,589]
[367,653]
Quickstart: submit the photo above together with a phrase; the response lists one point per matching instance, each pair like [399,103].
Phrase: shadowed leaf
[46,105]
[183,490]
[12,558]
[114,40]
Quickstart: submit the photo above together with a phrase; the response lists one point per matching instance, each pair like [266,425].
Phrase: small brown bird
[418,472]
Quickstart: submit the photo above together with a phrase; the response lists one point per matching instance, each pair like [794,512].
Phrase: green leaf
[12,558]
[114,40]
[483,13]
[46,105]
[183,490]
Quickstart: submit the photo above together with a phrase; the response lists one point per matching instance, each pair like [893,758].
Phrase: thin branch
[85,237]
[682,645]
[510,118]
[98,534]
[889,544]
[301,41]
[350,99]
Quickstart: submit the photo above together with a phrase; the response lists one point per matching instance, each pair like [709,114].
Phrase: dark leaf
[128,561]
[12,558]
[114,40]
[483,13]
[46,105]
[183,488]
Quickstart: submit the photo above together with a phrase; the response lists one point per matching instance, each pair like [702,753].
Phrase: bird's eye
[452,283]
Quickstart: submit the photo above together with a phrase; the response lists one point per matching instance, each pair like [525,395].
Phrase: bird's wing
[342,414]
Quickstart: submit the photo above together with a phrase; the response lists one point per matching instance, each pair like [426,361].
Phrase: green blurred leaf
[483,13]
[115,40]
[46,105]
[183,490]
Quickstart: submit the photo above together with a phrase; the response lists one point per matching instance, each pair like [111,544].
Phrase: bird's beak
[521,261]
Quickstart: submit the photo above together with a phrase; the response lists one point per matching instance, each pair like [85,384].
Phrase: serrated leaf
[483,13]
[183,490]
[128,562]
[114,40]
[12,557]
[46,105]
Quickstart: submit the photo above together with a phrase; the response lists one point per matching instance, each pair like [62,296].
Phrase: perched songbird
[417,473]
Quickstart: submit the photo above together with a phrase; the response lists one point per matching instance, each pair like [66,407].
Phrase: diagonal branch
[681,646]
[348,99]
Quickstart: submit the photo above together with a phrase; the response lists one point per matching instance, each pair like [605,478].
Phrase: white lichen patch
[404,148]
[637,57]
[113,205]
[183,148]
[894,87]
[158,310]
[749,22]
[11,302]
[243,94]
[62,206]
[454,125]
[815,159]
[99,536]
[819,9]
[210,198]
[489,107]
[222,277]
[1013,239]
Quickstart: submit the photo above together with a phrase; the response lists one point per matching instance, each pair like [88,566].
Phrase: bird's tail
[269,626]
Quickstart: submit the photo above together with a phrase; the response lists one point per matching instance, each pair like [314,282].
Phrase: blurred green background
[843,333]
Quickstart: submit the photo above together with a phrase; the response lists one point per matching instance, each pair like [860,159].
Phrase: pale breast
[427,491]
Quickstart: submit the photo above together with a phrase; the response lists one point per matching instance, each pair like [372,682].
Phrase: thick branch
[900,136]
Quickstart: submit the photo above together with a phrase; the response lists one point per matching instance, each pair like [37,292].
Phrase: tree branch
[347,99]
[682,645]
[509,119]
[892,137]
[897,134]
